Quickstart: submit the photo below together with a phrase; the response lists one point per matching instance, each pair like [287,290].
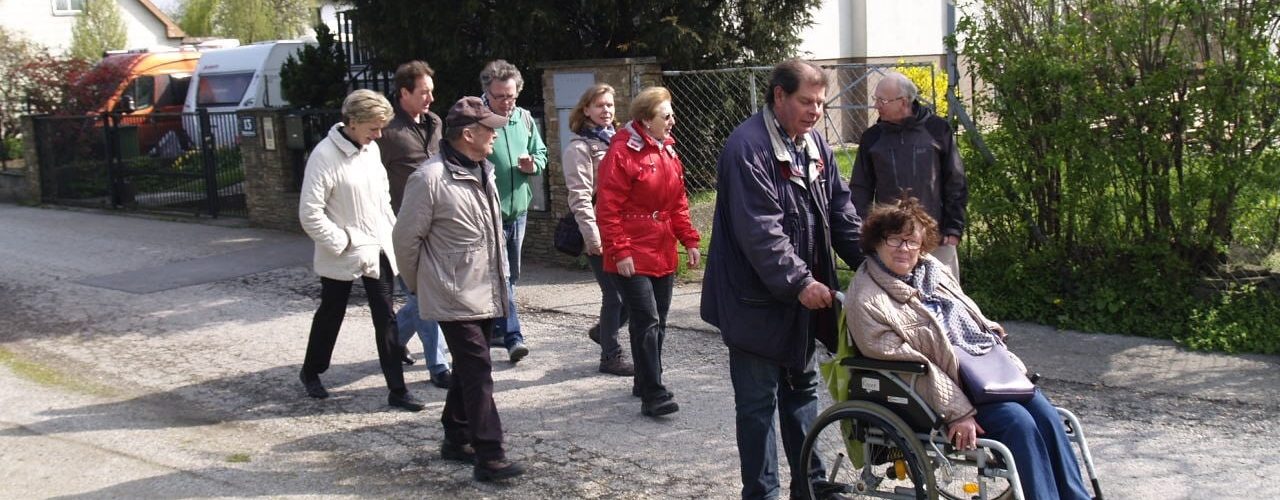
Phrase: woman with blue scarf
[593,126]
[905,305]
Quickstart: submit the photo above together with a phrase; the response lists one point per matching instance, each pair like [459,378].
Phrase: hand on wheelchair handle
[963,433]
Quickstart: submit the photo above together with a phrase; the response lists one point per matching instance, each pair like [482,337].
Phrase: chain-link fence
[711,103]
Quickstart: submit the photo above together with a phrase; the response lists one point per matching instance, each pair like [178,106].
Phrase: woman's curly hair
[904,215]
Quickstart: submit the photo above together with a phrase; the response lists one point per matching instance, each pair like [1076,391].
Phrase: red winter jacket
[641,208]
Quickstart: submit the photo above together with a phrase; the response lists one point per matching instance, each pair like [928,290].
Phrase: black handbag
[993,377]
[568,238]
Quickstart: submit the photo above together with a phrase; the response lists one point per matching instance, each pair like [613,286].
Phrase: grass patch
[238,458]
[47,376]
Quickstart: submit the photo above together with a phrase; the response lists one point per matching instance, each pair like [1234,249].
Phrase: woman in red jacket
[642,211]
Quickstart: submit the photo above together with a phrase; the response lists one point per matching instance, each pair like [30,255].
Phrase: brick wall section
[628,77]
[269,190]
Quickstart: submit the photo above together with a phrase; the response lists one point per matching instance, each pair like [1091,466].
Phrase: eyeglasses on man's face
[882,101]
[503,97]
[897,242]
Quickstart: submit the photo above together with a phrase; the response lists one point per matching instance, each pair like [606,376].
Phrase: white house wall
[899,28]
[34,19]
[143,27]
[875,29]
[832,34]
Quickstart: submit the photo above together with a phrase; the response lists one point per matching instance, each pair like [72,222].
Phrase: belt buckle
[655,215]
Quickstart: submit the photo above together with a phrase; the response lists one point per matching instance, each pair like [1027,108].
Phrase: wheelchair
[886,442]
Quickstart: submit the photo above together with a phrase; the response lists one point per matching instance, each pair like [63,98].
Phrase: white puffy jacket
[345,207]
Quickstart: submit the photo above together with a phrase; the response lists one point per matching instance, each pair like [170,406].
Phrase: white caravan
[232,79]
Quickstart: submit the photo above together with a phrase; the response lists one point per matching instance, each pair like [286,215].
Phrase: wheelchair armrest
[864,363]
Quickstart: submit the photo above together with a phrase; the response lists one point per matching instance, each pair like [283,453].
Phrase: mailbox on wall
[294,133]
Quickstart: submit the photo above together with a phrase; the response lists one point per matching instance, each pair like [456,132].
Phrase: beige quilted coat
[887,320]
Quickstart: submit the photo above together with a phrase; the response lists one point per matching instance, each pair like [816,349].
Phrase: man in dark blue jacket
[780,210]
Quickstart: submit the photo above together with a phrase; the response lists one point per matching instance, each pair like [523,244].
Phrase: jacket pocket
[757,302]
[469,278]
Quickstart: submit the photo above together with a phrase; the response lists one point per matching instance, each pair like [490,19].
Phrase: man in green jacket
[518,154]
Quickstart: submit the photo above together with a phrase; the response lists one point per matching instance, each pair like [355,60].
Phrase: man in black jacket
[912,151]
[413,136]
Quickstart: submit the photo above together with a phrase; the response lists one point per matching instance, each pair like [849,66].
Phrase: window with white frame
[68,7]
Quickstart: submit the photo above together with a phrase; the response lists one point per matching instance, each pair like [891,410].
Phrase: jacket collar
[457,164]
[637,139]
[344,144]
[782,154]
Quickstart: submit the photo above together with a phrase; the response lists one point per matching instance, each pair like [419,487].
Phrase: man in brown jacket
[413,136]
[450,245]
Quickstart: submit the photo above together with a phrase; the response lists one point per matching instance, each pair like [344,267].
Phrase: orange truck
[151,88]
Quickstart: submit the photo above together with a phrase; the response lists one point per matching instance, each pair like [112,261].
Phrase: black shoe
[617,365]
[406,358]
[517,352]
[594,334]
[492,470]
[457,452]
[313,386]
[659,408]
[406,401]
[442,379]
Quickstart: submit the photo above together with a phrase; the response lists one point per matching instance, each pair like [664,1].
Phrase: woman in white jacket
[345,207]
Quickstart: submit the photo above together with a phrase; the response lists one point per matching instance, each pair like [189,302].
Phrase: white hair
[904,84]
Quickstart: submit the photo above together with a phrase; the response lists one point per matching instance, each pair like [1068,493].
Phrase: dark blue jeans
[612,312]
[1035,435]
[647,299]
[508,328]
[761,388]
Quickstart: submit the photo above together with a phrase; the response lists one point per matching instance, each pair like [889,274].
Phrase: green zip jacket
[519,137]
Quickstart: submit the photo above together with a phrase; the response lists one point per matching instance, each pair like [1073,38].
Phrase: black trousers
[470,415]
[647,299]
[333,308]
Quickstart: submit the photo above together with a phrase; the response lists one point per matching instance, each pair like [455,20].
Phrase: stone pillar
[270,191]
[628,76]
[30,156]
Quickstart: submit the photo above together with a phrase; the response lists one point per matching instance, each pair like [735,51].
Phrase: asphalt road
[191,391]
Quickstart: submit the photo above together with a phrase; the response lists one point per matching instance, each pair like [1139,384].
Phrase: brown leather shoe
[450,450]
[617,365]
[493,470]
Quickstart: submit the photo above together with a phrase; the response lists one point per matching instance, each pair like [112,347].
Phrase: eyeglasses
[882,101]
[897,242]
[500,97]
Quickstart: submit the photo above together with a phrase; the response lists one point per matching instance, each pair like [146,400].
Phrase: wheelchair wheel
[966,483]
[859,449]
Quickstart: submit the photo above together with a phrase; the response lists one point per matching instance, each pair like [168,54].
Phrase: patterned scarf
[961,328]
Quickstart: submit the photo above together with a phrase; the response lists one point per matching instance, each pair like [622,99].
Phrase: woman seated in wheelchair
[904,305]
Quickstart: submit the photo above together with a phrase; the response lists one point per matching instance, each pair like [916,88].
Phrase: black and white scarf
[962,329]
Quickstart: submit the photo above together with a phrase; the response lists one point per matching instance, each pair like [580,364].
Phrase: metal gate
[711,103]
[162,162]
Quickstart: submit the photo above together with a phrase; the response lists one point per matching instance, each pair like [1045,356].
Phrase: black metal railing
[168,162]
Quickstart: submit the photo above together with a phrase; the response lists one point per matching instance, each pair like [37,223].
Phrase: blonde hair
[364,106]
[578,117]
[645,106]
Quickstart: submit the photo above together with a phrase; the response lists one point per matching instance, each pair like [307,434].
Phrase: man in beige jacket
[450,248]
